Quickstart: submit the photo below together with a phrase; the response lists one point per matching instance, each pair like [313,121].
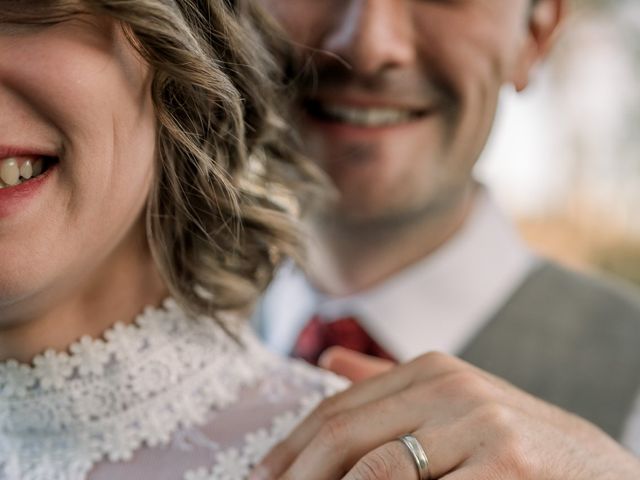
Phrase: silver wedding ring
[418,454]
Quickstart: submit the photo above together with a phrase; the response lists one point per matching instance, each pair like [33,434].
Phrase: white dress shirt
[449,295]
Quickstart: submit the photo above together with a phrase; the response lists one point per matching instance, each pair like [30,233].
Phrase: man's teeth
[14,171]
[367,117]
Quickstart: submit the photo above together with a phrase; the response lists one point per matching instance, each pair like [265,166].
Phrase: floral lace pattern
[168,397]
[235,463]
[107,398]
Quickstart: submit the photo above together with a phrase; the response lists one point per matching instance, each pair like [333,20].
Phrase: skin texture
[403,192]
[82,234]
[473,426]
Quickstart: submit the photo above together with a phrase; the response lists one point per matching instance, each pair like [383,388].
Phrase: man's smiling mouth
[367,117]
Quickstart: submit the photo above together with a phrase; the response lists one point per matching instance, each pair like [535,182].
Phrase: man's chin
[364,215]
[377,214]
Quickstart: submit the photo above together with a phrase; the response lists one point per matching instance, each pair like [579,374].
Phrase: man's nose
[373,35]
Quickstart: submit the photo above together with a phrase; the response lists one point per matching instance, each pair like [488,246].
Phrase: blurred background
[565,156]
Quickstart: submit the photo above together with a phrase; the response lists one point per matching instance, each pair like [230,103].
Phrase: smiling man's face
[402,94]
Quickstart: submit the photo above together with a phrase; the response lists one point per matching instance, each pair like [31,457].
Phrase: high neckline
[107,397]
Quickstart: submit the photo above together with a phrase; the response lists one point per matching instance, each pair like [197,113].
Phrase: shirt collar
[438,303]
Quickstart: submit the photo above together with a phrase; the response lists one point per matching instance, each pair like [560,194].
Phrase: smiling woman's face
[76,95]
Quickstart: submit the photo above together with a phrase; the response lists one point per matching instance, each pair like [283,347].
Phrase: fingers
[348,436]
[426,368]
[353,365]
[394,461]
[390,461]
[368,391]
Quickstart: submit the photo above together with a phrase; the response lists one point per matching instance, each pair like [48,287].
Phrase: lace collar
[109,397]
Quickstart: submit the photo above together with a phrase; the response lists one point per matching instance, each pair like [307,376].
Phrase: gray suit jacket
[569,339]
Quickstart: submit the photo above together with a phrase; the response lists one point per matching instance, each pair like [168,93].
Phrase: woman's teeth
[14,171]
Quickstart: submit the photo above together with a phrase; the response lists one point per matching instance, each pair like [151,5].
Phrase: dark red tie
[317,336]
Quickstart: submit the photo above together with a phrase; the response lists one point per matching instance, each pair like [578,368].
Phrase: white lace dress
[166,398]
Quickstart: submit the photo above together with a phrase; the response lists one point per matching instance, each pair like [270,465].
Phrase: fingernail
[259,473]
[324,361]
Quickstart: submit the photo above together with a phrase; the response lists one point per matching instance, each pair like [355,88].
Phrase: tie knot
[319,334]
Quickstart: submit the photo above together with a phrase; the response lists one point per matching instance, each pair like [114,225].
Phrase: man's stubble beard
[394,220]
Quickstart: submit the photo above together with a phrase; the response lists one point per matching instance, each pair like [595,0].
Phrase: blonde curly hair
[214,224]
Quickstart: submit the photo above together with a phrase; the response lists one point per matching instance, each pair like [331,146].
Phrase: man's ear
[544,21]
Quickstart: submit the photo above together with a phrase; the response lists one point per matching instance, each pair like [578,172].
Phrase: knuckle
[516,460]
[464,383]
[511,447]
[325,410]
[374,466]
[432,361]
[335,431]
[329,406]
[510,443]
[499,417]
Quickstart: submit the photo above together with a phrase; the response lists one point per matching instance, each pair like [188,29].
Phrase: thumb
[353,365]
